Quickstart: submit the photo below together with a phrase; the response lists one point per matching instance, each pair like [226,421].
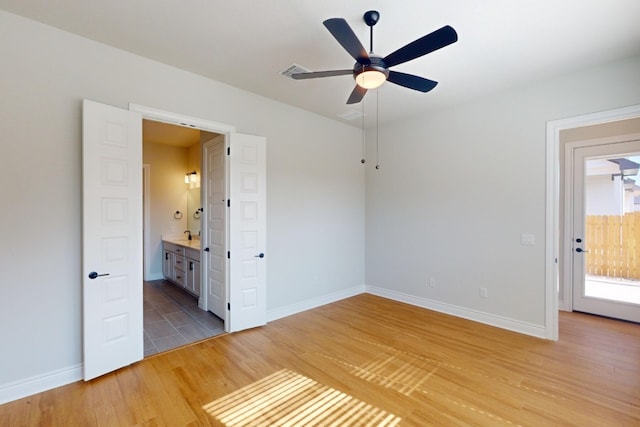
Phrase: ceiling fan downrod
[371,18]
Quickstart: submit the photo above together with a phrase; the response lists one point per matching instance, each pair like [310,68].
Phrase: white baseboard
[154,276]
[39,383]
[313,303]
[465,313]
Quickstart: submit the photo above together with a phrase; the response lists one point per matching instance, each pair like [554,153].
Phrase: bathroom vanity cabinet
[181,264]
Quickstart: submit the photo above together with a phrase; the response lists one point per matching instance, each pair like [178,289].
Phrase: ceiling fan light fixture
[371,76]
[370,79]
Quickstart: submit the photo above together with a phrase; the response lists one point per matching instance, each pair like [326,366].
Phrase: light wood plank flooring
[366,361]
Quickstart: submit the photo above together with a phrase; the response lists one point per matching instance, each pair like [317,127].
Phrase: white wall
[491,150]
[458,187]
[168,194]
[603,195]
[315,186]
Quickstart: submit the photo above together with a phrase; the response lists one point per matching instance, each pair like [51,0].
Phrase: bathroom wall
[194,162]
[168,194]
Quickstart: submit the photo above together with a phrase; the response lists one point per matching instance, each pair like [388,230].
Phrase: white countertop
[194,244]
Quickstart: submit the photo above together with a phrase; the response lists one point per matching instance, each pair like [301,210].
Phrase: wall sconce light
[190,177]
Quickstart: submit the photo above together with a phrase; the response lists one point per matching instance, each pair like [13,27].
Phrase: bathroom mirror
[193,210]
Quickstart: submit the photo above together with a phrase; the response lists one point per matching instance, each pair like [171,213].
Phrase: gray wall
[315,185]
[459,186]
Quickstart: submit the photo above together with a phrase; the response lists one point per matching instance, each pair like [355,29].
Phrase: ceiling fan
[371,70]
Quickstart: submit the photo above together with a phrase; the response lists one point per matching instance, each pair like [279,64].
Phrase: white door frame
[189,122]
[552,205]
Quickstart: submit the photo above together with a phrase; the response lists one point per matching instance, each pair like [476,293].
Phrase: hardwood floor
[366,361]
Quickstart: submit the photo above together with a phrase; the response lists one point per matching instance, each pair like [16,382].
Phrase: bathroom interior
[172,177]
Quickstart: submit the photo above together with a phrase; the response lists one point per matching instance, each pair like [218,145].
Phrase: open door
[606,261]
[247,207]
[112,238]
[215,227]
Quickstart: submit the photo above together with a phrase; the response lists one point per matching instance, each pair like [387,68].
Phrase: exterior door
[216,227]
[606,224]
[112,238]
[247,232]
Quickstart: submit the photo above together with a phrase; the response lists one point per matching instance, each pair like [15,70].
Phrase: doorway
[113,231]
[173,178]
[605,208]
[558,228]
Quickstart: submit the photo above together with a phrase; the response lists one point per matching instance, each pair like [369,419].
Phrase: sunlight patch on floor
[286,398]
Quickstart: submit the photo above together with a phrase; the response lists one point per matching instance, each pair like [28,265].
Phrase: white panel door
[605,265]
[112,238]
[247,231]
[216,227]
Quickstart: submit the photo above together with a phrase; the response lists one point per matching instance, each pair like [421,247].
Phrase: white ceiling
[246,43]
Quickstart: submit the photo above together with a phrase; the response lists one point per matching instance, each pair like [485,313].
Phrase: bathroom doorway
[172,183]
[113,231]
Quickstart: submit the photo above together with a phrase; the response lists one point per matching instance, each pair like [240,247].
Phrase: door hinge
[229,254]
[228,151]
[228,203]
[229,306]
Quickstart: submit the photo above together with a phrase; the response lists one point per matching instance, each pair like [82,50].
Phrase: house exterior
[609,190]
[336,228]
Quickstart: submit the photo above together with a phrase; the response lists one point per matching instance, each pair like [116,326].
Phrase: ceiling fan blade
[341,30]
[411,81]
[427,44]
[357,95]
[316,74]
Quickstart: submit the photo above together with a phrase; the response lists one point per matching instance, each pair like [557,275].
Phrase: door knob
[260,255]
[581,250]
[93,275]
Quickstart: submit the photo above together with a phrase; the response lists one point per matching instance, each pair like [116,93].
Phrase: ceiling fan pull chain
[377,132]
[363,134]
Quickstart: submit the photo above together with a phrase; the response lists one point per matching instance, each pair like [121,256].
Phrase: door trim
[553,227]
[150,113]
[180,119]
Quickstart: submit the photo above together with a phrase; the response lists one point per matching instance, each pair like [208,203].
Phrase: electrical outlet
[432,282]
[483,292]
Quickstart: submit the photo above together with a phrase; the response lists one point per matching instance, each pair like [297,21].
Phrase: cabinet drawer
[176,249]
[179,263]
[179,277]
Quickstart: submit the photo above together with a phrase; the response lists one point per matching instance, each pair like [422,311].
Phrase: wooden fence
[613,245]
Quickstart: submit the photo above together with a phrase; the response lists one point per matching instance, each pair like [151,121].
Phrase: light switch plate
[527,239]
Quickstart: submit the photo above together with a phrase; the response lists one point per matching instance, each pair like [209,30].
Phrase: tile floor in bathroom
[172,318]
